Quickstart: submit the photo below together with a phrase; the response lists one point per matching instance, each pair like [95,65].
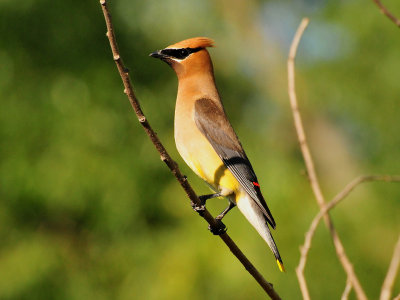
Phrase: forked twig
[165,157]
[337,199]
[340,252]
[387,13]
[347,290]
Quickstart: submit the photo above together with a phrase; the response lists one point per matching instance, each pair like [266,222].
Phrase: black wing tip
[273,225]
[269,218]
[271,222]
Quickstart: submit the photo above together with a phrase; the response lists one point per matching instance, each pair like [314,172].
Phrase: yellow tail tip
[280,265]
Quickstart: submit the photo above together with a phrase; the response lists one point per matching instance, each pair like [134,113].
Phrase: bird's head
[187,57]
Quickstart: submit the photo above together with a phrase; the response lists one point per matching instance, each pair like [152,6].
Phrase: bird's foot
[219,229]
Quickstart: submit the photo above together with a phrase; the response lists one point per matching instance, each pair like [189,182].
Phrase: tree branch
[391,274]
[387,13]
[340,252]
[172,165]
[337,199]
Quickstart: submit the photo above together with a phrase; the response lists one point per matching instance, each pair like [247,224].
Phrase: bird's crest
[197,42]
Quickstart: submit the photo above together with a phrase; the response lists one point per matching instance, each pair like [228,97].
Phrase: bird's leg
[225,211]
[204,198]
[200,208]
[221,228]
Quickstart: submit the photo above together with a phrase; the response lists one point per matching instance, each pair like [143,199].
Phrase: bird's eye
[183,53]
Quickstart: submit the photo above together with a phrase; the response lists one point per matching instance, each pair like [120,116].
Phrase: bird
[206,140]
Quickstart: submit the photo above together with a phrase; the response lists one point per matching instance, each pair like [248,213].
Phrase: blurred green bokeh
[87,209]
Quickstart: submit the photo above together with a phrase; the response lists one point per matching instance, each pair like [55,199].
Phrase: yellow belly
[205,162]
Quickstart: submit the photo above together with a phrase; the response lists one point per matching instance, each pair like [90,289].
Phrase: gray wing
[214,125]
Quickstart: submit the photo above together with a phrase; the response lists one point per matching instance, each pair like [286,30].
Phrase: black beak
[157,54]
[162,56]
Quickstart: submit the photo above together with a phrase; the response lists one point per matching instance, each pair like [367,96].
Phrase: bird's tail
[254,215]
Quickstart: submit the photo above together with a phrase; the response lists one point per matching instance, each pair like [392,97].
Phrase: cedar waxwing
[206,140]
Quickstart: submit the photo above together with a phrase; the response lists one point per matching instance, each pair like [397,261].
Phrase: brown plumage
[206,140]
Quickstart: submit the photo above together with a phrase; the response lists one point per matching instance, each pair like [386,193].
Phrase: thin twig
[340,252]
[387,13]
[387,286]
[397,297]
[338,198]
[172,165]
[297,120]
[347,290]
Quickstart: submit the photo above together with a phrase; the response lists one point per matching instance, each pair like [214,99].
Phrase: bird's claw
[219,229]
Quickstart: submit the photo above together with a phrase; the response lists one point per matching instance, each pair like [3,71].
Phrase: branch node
[142,119]
[200,209]
[116,57]
[103,2]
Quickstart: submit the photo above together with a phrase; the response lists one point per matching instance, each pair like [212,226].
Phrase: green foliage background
[88,211]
